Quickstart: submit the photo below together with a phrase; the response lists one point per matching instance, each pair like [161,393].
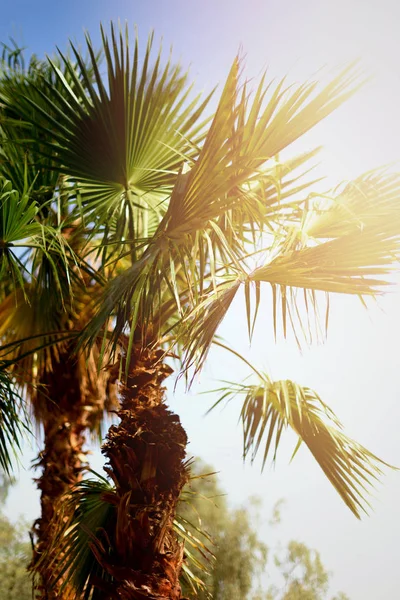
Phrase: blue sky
[356,371]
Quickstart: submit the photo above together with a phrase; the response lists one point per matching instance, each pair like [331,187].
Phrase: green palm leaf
[226,194]
[24,164]
[122,139]
[12,426]
[82,519]
[245,134]
[271,407]
[21,230]
[355,251]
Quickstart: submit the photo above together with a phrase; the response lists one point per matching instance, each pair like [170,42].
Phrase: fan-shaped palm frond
[353,256]
[351,264]
[24,164]
[123,139]
[271,407]
[350,246]
[225,195]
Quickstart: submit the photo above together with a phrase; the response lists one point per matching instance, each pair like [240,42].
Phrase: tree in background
[305,577]
[240,557]
[130,222]
[15,553]
[240,566]
[227,553]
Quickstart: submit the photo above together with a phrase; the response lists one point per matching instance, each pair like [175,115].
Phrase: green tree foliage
[241,560]
[15,553]
[305,577]
[239,555]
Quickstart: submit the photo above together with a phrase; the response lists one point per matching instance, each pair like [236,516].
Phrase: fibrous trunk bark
[146,460]
[71,403]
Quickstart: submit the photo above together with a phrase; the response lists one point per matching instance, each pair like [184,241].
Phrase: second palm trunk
[146,461]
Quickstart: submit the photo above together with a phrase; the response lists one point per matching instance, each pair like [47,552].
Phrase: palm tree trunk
[63,462]
[146,460]
[71,402]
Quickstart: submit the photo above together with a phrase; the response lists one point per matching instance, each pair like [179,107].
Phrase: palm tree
[177,214]
[38,318]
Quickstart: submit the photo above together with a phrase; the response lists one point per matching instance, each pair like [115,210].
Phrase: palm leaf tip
[271,407]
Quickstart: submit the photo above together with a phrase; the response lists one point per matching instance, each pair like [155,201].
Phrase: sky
[356,371]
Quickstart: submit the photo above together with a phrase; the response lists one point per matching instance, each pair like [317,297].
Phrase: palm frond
[203,322]
[12,424]
[197,552]
[122,139]
[82,519]
[220,199]
[356,255]
[348,243]
[12,56]
[271,407]
[245,134]
[17,223]
[370,201]
[353,264]
[20,162]
[47,254]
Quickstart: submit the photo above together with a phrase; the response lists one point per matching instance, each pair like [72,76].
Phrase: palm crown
[142,217]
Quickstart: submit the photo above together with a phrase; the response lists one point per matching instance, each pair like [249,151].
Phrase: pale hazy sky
[357,370]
